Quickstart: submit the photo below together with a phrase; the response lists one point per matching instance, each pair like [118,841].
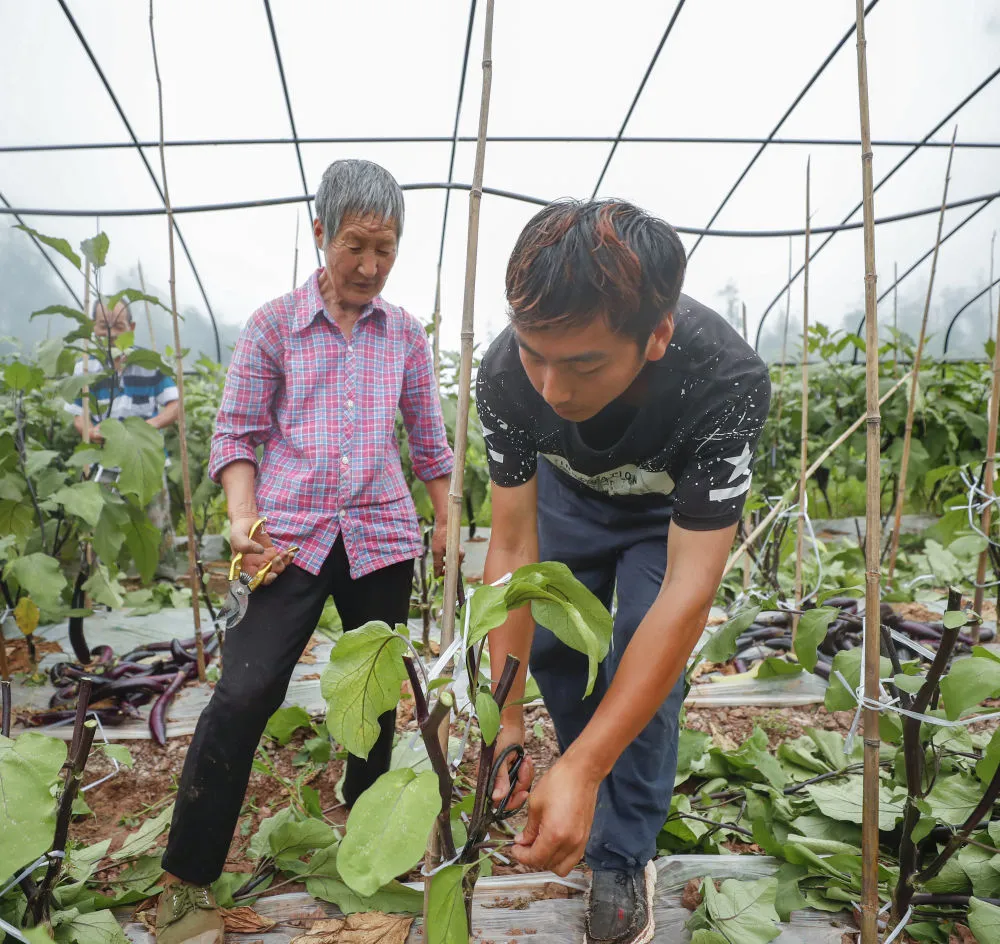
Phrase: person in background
[620,419]
[127,390]
[316,380]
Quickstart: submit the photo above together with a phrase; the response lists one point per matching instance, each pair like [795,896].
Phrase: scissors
[500,811]
[242,584]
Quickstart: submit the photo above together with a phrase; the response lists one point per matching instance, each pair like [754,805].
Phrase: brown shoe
[188,914]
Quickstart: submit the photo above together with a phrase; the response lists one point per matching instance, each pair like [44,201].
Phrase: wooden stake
[746,337]
[873,538]
[784,351]
[436,322]
[989,472]
[295,263]
[895,319]
[915,376]
[149,314]
[804,445]
[194,579]
[782,502]
[989,326]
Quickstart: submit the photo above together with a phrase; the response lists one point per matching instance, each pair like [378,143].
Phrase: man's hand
[258,551]
[512,732]
[95,434]
[439,544]
[560,814]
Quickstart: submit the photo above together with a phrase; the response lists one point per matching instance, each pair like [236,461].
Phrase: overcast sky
[729,68]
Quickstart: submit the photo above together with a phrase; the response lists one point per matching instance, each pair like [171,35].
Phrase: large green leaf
[137,448]
[953,798]
[84,500]
[446,920]
[142,538]
[109,535]
[96,927]
[17,518]
[488,610]
[848,663]
[40,577]
[841,800]
[53,242]
[721,645]
[968,682]
[290,840]
[23,377]
[488,714]
[285,722]
[144,838]
[753,760]
[29,767]
[260,844]
[981,866]
[388,828]
[103,589]
[361,683]
[738,911]
[323,881]
[811,631]
[984,921]
[72,313]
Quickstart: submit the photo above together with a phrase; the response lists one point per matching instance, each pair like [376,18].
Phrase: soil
[18,657]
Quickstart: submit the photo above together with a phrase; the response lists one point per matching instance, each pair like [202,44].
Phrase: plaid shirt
[324,410]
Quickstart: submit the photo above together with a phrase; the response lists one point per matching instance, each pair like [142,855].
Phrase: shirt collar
[307,303]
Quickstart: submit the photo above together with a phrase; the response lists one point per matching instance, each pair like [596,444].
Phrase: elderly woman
[315,383]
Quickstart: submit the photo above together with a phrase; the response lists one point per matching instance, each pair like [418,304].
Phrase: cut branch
[431,733]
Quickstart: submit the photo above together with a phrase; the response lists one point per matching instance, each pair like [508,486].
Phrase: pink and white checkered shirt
[324,410]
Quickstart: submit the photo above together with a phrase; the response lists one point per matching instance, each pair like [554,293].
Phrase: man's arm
[513,543]
[437,489]
[561,809]
[167,415]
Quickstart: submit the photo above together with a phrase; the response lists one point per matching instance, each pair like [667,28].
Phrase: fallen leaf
[963,935]
[307,656]
[691,897]
[244,920]
[368,927]
[722,740]
[311,677]
[324,925]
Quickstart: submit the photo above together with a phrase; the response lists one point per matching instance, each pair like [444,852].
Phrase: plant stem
[913,755]
[82,705]
[74,774]
[804,429]
[912,405]
[5,705]
[419,699]
[181,419]
[989,472]
[711,822]
[430,731]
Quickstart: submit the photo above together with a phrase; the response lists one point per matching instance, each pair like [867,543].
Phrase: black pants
[258,659]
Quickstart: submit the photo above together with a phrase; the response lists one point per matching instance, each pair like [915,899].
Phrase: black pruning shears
[501,811]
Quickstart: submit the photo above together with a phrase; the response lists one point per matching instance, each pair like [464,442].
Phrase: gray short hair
[358,188]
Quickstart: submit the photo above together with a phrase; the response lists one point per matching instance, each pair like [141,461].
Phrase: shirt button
[350,404]
[343,513]
[343,460]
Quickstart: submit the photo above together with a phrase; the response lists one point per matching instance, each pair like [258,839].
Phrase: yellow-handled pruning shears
[242,584]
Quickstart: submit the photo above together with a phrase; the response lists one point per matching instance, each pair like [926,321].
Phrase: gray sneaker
[620,907]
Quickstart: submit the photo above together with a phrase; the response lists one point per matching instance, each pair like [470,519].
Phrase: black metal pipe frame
[454,136]
[508,194]
[975,298]
[638,92]
[62,278]
[851,31]
[491,139]
[291,116]
[861,324]
[951,114]
[149,169]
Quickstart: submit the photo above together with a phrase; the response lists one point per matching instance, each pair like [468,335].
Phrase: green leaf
[72,313]
[81,862]
[109,535]
[96,249]
[285,722]
[143,874]
[102,589]
[323,881]
[49,355]
[18,519]
[40,577]
[97,927]
[987,767]
[290,840]
[721,645]
[23,377]
[768,834]
[29,768]
[361,683]
[954,797]
[813,625]
[488,713]
[53,242]
[84,500]
[446,920]
[743,911]
[133,295]
[848,663]
[773,667]
[144,838]
[754,760]
[841,800]
[387,829]
[38,460]
[911,684]
[969,682]
[980,866]
[142,538]
[487,611]
[260,844]
[955,619]
[118,752]
[137,448]
[984,921]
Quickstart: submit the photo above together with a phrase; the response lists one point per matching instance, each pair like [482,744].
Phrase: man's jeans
[613,549]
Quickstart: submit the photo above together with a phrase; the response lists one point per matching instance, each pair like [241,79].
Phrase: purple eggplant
[775,618]
[158,716]
[76,637]
[180,654]
[101,655]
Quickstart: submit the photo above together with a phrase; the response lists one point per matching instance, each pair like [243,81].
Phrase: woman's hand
[257,551]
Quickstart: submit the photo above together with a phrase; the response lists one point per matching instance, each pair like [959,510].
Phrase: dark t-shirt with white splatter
[690,442]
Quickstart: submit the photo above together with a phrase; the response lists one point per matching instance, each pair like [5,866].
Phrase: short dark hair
[580,260]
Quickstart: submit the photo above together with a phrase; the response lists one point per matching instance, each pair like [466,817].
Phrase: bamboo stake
[149,314]
[193,575]
[895,319]
[915,376]
[873,537]
[804,445]
[746,337]
[452,563]
[989,325]
[85,393]
[295,263]
[436,322]
[810,472]
[784,350]
[989,473]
